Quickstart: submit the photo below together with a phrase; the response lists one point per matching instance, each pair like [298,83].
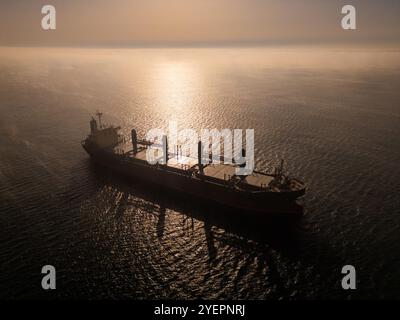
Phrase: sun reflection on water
[176,84]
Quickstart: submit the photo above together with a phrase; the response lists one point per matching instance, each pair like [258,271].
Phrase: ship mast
[99,114]
[279,174]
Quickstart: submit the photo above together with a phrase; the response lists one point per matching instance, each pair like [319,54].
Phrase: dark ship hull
[181,183]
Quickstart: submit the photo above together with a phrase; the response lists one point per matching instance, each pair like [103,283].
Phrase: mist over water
[332,114]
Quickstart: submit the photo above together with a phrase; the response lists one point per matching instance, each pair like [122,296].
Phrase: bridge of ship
[213,172]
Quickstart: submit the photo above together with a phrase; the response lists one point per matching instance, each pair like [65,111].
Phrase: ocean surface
[333,114]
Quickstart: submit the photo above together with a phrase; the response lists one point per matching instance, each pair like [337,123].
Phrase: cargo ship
[259,192]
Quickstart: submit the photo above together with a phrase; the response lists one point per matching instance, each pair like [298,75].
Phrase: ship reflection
[278,232]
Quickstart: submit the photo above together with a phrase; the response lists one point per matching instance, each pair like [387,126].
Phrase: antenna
[99,114]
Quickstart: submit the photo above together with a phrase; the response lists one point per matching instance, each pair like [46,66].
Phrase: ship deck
[258,180]
[220,173]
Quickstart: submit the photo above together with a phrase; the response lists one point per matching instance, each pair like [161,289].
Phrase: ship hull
[271,203]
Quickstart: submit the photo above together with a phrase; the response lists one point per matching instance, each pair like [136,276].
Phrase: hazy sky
[189,22]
